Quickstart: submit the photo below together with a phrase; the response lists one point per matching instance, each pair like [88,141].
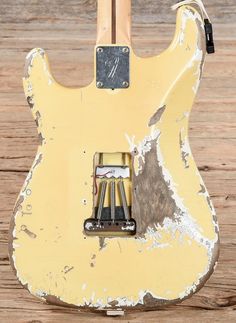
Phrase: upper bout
[37,75]
[189,33]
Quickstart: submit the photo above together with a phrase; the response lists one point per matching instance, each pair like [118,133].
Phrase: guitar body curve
[175,247]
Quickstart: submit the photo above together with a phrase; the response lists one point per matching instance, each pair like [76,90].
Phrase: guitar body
[175,246]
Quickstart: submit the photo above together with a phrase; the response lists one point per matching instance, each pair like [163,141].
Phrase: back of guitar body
[113,213]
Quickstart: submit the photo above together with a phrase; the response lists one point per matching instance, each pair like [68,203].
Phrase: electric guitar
[113,214]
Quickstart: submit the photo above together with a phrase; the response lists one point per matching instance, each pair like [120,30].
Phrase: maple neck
[114,22]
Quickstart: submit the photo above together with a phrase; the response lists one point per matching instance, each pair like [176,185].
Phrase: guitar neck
[114,22]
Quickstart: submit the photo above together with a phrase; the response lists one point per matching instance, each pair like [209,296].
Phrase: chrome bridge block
[112,196]
[104,226]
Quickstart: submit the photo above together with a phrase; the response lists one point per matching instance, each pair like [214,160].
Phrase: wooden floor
[67,30]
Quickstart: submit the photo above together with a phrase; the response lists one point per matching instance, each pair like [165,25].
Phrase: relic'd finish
[113,213]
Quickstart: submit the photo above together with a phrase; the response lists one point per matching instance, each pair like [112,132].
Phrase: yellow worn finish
[51,253]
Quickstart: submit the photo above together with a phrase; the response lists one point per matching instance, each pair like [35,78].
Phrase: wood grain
[67,30]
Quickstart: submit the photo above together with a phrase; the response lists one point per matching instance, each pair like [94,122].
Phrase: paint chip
[157,116]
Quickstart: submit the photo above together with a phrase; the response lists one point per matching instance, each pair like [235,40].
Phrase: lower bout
[135,281]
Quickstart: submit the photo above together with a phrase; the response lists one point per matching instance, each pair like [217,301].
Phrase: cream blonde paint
[51,253]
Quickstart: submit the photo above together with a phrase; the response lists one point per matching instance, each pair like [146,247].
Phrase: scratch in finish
[28,232]
[67,269]
[185,149]
[102,243]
